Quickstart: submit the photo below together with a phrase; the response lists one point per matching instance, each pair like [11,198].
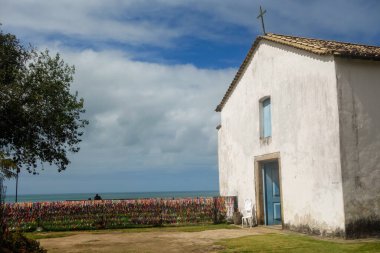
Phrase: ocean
[109,195]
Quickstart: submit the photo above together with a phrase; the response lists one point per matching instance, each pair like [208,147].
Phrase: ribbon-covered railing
[102,214]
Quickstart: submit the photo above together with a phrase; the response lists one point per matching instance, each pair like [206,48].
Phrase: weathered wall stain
[326,128]
[358,84]
[305,131]
[364,227]
[307,229]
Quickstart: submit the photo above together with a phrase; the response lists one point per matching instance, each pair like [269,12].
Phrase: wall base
[365,227]
[306,229]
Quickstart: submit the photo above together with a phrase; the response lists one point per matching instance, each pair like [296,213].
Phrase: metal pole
[18,171]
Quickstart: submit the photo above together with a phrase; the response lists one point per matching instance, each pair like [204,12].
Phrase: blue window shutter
[267,121]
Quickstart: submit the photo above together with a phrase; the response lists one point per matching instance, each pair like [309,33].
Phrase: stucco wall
[359,109]
[305,131]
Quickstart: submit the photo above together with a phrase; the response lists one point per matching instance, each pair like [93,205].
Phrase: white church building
[300,135]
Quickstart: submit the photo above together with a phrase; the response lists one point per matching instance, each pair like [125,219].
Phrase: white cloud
[145,115]
[88,20]
[163,22]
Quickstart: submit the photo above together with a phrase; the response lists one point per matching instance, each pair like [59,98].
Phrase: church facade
[300,135]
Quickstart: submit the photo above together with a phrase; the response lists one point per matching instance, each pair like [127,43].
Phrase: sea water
[110,195]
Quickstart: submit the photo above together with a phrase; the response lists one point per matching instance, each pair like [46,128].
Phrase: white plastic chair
[248,215]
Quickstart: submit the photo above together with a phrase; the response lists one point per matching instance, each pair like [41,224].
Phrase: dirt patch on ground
[158,241]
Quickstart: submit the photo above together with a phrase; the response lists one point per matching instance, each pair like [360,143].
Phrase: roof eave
[359,57]
[238,74]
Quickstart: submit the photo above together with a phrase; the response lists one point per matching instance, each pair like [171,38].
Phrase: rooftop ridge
[301,45]
[323,40]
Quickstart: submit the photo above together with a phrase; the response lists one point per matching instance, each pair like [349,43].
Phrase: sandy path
[161,241]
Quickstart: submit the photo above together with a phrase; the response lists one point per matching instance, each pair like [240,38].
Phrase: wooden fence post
[215,215]
[161,209]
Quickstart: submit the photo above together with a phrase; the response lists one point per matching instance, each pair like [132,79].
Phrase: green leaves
[40,120]
[8,168]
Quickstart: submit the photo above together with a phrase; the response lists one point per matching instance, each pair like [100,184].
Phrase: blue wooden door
[272,197]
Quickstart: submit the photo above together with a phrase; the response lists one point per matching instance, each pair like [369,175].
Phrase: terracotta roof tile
[316,46]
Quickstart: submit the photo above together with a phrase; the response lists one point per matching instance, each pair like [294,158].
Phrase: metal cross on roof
[262,18]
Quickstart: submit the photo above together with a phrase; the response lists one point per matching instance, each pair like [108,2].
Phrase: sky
[151,73]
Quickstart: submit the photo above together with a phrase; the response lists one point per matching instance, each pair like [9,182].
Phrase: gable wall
[359,109]
[305,132]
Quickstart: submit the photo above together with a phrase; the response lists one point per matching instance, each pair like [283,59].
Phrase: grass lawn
[289,243]
[212,238]
[191,228]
